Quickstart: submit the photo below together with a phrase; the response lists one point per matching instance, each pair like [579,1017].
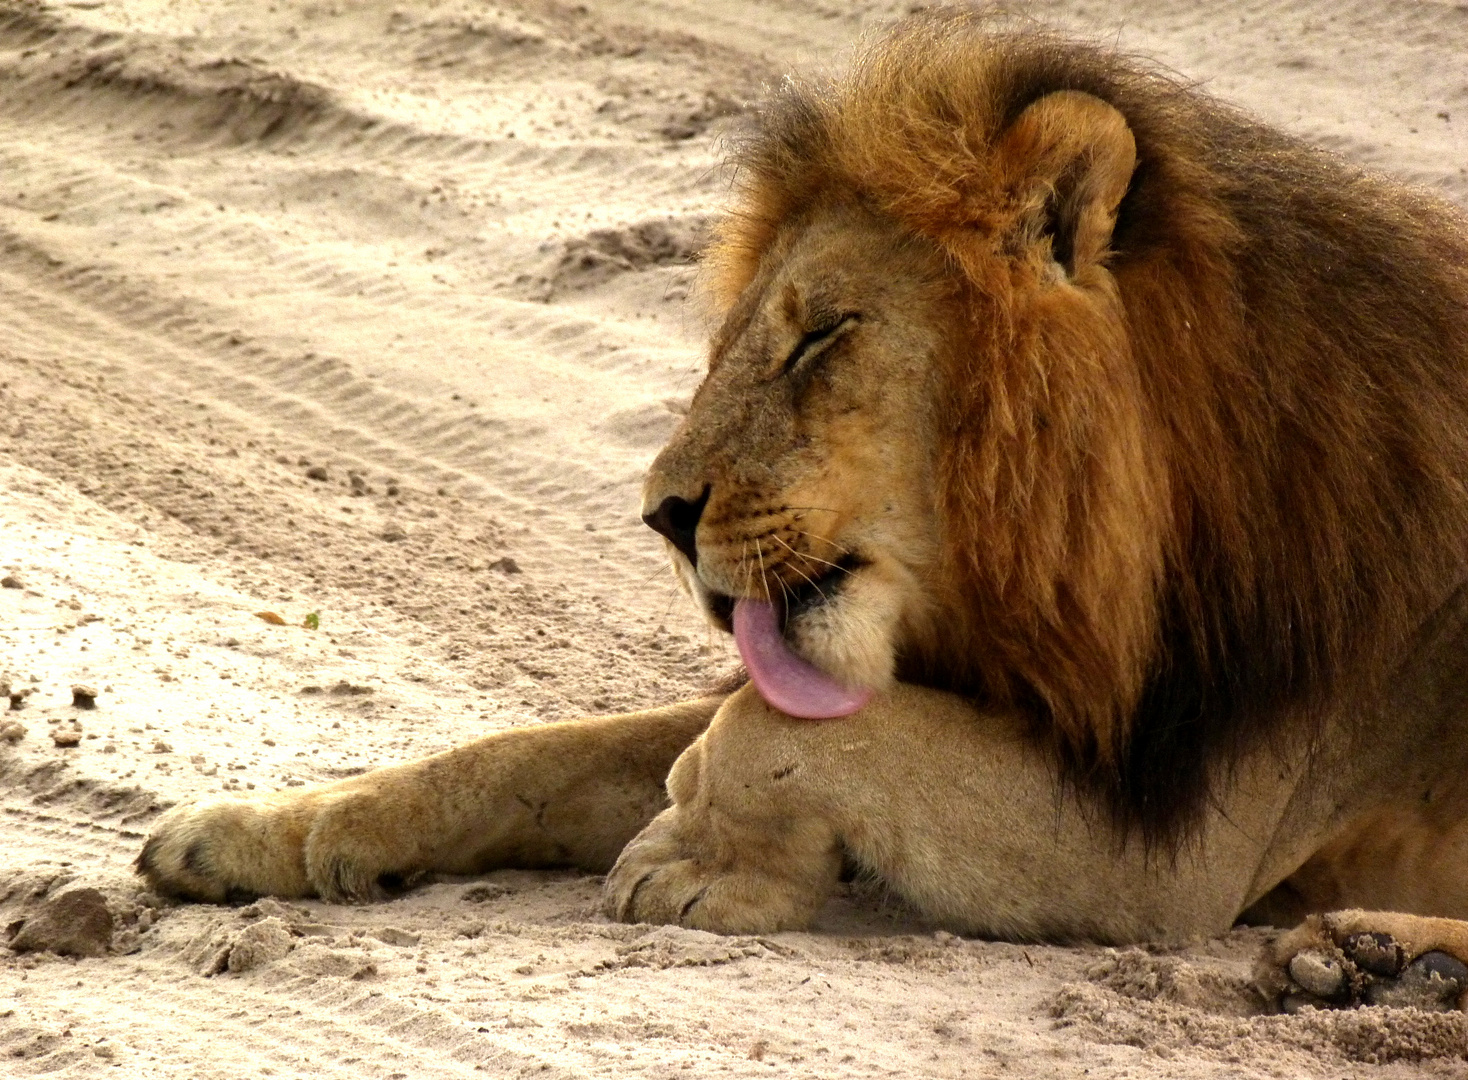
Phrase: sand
[376,313]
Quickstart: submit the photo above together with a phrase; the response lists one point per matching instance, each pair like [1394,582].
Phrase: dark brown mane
[1272,447]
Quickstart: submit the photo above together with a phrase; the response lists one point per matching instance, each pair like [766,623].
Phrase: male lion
[1092,460]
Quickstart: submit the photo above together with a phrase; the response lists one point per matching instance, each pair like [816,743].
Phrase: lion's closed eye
[815,341]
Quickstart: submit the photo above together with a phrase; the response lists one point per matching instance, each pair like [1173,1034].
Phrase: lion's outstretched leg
[953,808]
[1368,957]
[568,794]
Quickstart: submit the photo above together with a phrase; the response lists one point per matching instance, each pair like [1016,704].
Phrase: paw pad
[1373,969]
[1319,974]
[1434,982]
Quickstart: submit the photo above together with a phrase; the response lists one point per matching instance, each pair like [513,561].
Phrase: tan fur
[1118,441]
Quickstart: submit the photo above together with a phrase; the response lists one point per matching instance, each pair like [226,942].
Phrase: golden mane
[1185,508]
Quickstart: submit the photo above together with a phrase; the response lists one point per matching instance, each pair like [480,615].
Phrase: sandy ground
[378,311]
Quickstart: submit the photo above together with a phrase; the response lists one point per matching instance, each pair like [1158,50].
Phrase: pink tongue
[784,680]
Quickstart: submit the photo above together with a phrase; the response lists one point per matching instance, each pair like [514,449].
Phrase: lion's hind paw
[1351,958]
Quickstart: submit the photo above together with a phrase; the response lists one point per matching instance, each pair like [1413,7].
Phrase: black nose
[677,519]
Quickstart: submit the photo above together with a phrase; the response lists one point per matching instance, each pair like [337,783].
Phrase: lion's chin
[851,636]
[849,632]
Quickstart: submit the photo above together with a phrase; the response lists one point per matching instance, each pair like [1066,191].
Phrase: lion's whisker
[824,540]
[759,553]
[808,555]
[748,566]
[673,599]
[808,579]
[655,573]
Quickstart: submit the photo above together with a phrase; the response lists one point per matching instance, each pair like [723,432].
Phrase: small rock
[391,935]
[67,737]
[84,697]
[10,581]
[393,533]
[18,696]
[317,472]
[12,731]
[161,747]
[505,565]
[347,689]
[73,923]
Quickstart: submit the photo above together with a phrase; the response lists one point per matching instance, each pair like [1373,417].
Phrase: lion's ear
[1069,158]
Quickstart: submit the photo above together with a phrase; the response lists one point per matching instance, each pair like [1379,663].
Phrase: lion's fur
[1222,494]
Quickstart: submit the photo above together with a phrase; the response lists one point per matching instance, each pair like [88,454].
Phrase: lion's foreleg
[567,794]
[953,808]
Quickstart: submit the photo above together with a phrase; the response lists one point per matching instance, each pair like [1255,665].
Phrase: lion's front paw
[666,875]
[1351,958]
[338,845]
[223,849]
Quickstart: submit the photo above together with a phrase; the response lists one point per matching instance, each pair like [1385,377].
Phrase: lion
[1082,468]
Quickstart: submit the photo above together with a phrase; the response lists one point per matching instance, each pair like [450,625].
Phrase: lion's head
[1046,380]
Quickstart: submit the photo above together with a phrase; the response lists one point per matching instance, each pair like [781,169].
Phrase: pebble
[84,697]
[391,935]
[67,737]
[12,731]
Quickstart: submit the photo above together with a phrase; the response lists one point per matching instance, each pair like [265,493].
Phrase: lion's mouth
[791,601]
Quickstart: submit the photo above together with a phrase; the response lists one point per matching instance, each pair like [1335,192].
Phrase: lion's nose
[677,519]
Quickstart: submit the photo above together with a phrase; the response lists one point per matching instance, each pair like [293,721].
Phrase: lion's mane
[1198,514]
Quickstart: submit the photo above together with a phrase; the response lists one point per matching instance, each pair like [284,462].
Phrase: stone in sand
[67,737]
